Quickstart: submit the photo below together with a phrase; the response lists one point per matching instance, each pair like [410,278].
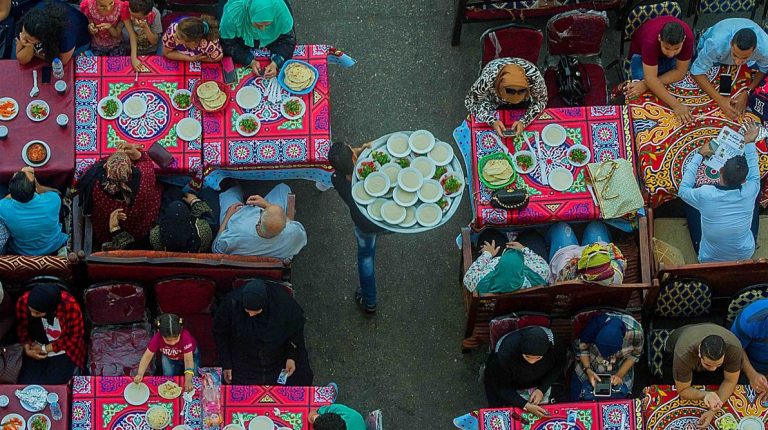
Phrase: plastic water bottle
[58,69]
[53,402]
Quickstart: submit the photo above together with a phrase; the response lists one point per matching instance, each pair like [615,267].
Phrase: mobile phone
[47,75]
[283,378]
[571,418]
[508,132]
[603,386]
[230,77]
[726,82]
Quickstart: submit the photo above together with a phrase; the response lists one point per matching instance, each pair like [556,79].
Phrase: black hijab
[43,298]
[531,341]
[177,228]
[280,319]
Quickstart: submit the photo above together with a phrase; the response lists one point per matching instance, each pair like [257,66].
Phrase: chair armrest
[77,225]
[646,253]
[291,211]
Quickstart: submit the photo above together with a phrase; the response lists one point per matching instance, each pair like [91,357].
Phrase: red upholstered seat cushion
[185,295]
[576,33]
[597,96]
[117,350]
[200,326]
[115,303]
[503,325]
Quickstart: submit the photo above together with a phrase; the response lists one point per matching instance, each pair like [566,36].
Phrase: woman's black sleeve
[238,50]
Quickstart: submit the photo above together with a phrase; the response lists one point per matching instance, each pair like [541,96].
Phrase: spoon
[35,91]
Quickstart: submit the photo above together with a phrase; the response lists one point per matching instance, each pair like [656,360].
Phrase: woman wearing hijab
[610,343]
[125,180]
[521,370]
[259,332]
[510,83]
[50,326]
[265,24]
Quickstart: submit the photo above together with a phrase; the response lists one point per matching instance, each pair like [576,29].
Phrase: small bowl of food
[36,153]
[452,184]
[397,145]
[365,167]
[248,97]
[430,191]
[39,422]
[110,107]
[135,106]
[158,417]
[181,99]
[421,141]
[391,169]
[374,209]
[410,217]
[444,203]
[293,108]
[248,125]
[524,162]
[578,155]
[377,184]
[392,213]
[360,195]
[429,214]
[425,166]
[441,154]
[38,110]
[554,134]
[404,198]
[410,179]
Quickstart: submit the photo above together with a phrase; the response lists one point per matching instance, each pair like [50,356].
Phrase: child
[336,417]
[105,25]
[143,27]
[193,39]
[178,348]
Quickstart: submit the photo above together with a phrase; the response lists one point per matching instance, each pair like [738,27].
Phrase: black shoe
[368,309]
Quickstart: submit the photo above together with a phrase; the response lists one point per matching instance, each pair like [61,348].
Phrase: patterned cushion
[642,13]
[684,298]
[657,338]
[756,292]
[19,268]
[725,6]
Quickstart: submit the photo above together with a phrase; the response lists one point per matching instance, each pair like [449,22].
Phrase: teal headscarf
[509,275]
[239,16]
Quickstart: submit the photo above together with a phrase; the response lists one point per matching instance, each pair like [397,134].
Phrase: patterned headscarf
[119,170]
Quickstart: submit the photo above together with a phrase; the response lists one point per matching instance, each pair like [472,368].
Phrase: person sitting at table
[193,39]
[723,219]
[259,332]
[731,41]
[596,260]
[179,353]
[143,26]
[52,29]
[105,26]
[260,227]
[520,371]
[519,266]
[124,180]
[510,83]
[267,24]
[7,314]
[751,328]
[610,343]
[698,351]
[10,13]
[31,213]
[49,324]
[336,417]
[660,54]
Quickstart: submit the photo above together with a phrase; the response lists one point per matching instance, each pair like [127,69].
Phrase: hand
[616,380]
[290,366]
[705,420]
[137,65]
[138,378]
[189,198]
[752,129]
[635,89]
[515,245]
[270,71]
[28,169]
[20,41]
[739,102]
[92,28]
[593,378]
[256,200]
[144,24]
[490,248]
[198,57]
[104,26]
[188,385]
[725,106]
[499,127]
[367,145]
[536,410]
[518,127]
[759,383]
[536,397]
[228,376]
[682,113]
[256,68]
[115,218]
[233,208]
[712,400]
[706,150]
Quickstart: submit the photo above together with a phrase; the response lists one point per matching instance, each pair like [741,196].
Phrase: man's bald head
[273,220]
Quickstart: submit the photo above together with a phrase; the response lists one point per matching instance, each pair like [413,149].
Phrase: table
[95,137]
[664,146]
[16,83]
[98,403]
[603,129]
[282,149]
[663,409]
[14,407]
[286,406]
[604,415]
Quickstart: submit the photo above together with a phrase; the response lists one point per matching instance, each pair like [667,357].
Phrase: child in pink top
[105,26]
[177,347]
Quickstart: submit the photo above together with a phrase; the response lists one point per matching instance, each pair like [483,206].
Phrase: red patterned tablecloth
[281,145]
[664,146]
[286,406]
[603,129]
[604,415]
[14,407]
[95,137]
[16,83]
[663,408]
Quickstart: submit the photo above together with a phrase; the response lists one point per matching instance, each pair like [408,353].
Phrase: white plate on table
[404,198]
[35,164]
[295,116]
[554,135]
[41,103]
[579,147]
[248,97]
[6,419]
[243,117]
[34,417]
[189,129]
[104,101]
[751,423]
[519,169]
[42,393]
[410,179]
[136,394]
[160,412]
[425,166]
[430,191]
[261,423]
[374,209]
[135,107]
[15,107]
[445,177]
[178,92]
[410,217]
[560,179]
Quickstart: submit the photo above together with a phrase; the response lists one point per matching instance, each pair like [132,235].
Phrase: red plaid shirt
[71,320]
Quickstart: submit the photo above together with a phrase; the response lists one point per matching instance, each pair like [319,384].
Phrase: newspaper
[728,144]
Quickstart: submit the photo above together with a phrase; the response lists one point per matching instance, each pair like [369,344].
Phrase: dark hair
[340,158]
[672,33]
[21,188]
[712,347]
[735,170]
[745,39]
[329,421]
[169,325]
[46,24]
[193,28]
[141,6]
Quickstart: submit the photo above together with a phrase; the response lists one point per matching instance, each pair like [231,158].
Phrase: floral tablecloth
[664,146]
[282,149]
[663,408]
[286,406]
[95,137]
[603,129]
[604,415]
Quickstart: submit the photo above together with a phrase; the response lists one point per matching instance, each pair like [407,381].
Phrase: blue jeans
[176,367]
[366,265]
[584,390]
[636,66]
[561,235]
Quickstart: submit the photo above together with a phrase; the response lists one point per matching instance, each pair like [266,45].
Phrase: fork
[35,90]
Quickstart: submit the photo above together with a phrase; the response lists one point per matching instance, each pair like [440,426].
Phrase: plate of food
[39,422]
[13,422]
[261,423]
[135,106]
[169,390]
[392,212]
[189,129]
[33,398]
[751,423]
[524,162]
[293,108]
[452,184]
[374,209]
[36,153]
[410,217]
[136,394]
[181,99]
[391,169]
[560,179]
[158,417]
[410,179]
[360,195]
[110,107]
[404,198]
[248,125]
[248,97]
[421,141]
[430,191]
[496,170]
[445,204]
[210,96]
[727,422]
[365,167]
[9,108]
[553,134]
[578,155]
[397,145]
[376,184]
[298,77]
[38,110]
[429,214]
[234,426]
[425,166]
[441,154]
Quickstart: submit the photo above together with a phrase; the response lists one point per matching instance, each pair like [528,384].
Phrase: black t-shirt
[344,188]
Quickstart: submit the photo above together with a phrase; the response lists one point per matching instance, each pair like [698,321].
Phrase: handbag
[572,81]
[615,187]
[510,198]
[10,363]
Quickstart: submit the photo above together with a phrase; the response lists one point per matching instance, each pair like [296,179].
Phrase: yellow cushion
[666,254]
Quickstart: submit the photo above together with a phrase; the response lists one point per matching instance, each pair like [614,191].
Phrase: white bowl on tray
[392,213]
[430,192]
[410,179]
[429,214]
[421,141]
[441,154]
[397,145]
[376,184]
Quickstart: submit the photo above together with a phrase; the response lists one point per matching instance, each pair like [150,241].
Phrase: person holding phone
[510,83]
[609,344]
[751,327]
[734,41]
